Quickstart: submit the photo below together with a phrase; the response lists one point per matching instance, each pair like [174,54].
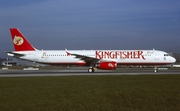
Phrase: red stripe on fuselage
[120,63]
[65,63]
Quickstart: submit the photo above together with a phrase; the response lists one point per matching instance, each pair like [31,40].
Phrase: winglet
[68,54]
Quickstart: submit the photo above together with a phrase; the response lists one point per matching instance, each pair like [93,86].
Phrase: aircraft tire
[91,70]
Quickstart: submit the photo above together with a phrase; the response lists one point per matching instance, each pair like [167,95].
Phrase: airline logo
[18,40]
[110,65]
[120,54]
[68,54]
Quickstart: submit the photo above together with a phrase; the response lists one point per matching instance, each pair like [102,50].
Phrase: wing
[87,59]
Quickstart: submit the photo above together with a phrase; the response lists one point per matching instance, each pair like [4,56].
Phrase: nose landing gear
[155,68]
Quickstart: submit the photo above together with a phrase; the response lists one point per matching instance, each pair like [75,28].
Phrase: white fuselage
[121,57]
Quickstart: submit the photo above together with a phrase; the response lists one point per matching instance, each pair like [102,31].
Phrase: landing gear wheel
[90,70]
[155,70]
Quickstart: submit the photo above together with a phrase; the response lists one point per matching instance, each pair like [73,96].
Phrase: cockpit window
[166,54]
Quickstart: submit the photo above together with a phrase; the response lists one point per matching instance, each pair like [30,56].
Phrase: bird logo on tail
[18,40]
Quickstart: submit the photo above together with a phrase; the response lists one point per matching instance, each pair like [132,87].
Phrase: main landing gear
[92,69]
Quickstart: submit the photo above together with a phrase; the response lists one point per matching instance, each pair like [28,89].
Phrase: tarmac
[36,73]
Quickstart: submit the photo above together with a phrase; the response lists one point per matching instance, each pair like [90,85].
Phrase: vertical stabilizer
[19,41]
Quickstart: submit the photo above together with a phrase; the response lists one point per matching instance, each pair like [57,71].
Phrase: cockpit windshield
[166,54]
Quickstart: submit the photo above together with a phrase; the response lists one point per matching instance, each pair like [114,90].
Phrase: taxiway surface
[30,73]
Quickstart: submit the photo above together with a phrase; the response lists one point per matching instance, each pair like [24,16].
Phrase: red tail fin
[19,41]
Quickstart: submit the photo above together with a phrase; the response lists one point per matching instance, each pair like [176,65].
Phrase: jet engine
[107,65]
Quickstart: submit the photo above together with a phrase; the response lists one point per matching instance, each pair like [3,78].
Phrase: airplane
[95,59]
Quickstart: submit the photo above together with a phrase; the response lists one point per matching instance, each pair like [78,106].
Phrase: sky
[92,24]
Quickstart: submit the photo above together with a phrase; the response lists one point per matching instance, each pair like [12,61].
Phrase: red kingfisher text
[120,54]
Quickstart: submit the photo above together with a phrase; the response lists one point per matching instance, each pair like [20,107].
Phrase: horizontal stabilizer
[17,55]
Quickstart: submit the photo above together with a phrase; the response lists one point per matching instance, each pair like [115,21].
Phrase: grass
[87,93]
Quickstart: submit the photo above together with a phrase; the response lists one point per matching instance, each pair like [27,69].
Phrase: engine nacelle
[107,65]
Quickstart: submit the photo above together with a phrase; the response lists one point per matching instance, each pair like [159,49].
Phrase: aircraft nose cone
[173,59]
